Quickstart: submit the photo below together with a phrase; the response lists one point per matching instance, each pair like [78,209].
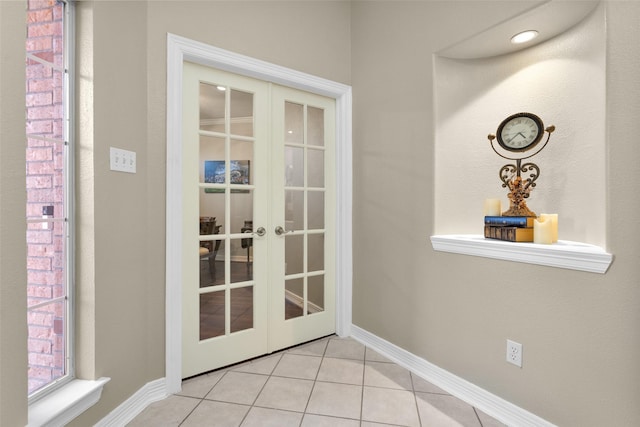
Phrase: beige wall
[13,229]
[127,74]
[452,310]
[579,330]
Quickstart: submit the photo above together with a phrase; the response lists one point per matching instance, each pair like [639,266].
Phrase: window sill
[66,403]
[564,254]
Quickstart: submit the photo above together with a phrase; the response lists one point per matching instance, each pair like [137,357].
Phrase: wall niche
[562,80]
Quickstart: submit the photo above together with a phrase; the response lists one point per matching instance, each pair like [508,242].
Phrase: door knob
[260,231]
[280,231]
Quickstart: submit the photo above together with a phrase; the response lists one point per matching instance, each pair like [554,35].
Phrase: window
[49,196]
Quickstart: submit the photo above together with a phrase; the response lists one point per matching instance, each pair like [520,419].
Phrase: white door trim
[180,49]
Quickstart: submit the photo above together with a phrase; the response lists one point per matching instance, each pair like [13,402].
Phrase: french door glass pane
[294,209]
[211,163]
[241,221]
[212,314]
[241,161]
[226,155]
[241,308]
[315,126]
[294,123]
[315,163]
[294,298]
[315,252]
[212,265]
[294,253]
[315,210]
[241,261]
[294,166]
[304,208]
[212,107]
[315,285]
[241,113]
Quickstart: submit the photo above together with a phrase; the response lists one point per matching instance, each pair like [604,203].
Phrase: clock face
[520,132]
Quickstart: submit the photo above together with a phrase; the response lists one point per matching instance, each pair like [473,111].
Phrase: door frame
[180,49]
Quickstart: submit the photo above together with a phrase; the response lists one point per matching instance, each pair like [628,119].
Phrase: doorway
[181,50]
[258,217]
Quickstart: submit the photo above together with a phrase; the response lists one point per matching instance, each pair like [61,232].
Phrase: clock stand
[511,175]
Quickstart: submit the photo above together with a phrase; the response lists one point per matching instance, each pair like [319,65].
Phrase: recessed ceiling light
[524,36]
[221,88]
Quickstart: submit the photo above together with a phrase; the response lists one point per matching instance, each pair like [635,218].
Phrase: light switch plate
[122,160]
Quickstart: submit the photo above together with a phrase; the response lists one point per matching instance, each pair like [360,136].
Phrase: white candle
[542,231]
[554,225]
[492,207]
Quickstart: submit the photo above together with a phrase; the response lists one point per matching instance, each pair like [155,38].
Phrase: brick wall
[45,179]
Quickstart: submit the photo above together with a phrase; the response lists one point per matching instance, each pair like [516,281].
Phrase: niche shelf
[564,254]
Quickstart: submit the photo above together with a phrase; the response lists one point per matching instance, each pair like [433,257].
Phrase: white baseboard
[130,408]
[485,401]
[489,403]
[299,301]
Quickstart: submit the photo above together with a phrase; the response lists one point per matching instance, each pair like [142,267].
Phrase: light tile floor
[330,382]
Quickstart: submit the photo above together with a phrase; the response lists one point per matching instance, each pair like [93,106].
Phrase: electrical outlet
[514,353]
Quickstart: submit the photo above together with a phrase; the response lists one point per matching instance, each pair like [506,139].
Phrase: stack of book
[509,228]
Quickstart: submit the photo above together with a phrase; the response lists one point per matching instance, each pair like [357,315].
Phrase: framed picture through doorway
[239,173]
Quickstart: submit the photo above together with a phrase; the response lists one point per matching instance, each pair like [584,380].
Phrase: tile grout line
[273,374]
[262,388]
[280,362]
[201,399]
[324,352]
[364,370]
[415,398]
[475,411]
[252,405]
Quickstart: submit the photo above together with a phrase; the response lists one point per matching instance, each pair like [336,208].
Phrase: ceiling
[550,19]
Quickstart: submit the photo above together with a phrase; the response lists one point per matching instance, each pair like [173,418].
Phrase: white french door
[302,306]
[258,233]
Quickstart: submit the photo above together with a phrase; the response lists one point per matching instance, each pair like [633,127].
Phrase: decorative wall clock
[517,134]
